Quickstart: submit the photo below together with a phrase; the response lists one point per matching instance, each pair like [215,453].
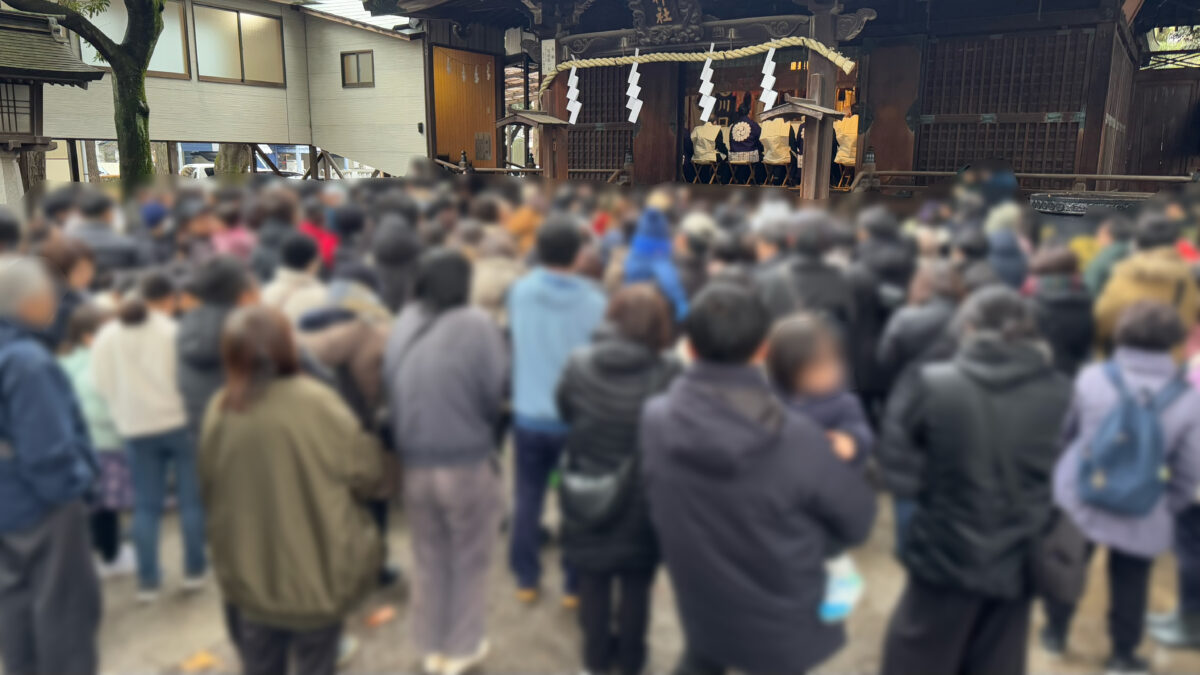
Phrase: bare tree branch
[76,22]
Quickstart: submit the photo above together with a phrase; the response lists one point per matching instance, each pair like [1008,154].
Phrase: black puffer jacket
[810,284]
[880,280]
[600,396]
[1063,308]
[266,254]
[909,333]
[988,426]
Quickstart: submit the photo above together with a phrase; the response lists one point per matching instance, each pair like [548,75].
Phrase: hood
[556,290]
[1158,266]
[722,416]
[612,353]
[653,236]
[1061,290]
[997,363]
[200,336]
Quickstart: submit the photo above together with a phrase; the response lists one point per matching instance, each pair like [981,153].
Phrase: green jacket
[292,546]
[101,429]
[1100,268]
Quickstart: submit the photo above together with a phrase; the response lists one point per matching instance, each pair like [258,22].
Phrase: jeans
[150,458]
[624,650]
[1128,596]
[903,508]
[537,454]
[1187,552]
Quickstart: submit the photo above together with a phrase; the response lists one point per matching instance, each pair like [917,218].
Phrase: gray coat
[1095,397]
[445,378]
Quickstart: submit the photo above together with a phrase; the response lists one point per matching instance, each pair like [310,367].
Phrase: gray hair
[21,278]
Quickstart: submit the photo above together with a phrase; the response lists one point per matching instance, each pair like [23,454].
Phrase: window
[170,58]
[16,109]
[358,69]
[234,46]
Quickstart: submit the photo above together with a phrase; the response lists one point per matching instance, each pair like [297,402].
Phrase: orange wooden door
[464,100]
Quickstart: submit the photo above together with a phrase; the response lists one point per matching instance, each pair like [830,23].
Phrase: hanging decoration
[573,104]
[634,103]
[815,46]
[707,100]
[769,94]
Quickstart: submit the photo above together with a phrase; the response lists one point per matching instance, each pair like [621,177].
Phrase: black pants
[1128,592]
[1187,552]
[106,534]
[938,631]
[695,664]
[625,648]
[266,651]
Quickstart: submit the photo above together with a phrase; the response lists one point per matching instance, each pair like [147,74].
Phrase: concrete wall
[373,125]
[376,126]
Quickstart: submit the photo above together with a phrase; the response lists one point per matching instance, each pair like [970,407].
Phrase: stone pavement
[545,639]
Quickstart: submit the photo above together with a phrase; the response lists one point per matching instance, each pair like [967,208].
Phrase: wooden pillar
[822,83]
[553,151]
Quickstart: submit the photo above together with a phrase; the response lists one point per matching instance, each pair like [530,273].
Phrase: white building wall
[373,125]
[195,111]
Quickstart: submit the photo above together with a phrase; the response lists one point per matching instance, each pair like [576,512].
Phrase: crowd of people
[721,388]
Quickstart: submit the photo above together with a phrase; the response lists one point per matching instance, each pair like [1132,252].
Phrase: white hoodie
[134,369]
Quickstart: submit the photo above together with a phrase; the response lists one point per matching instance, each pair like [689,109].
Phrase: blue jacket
[549,315]
[650,259]
[46,457]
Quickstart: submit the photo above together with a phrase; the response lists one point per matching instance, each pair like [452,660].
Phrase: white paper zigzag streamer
[573,104]
[707,100]
[768,82]
[634,103]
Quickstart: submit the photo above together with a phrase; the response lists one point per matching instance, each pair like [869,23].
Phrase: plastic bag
[844,587]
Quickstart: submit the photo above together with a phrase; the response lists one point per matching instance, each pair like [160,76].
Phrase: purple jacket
[1095,397]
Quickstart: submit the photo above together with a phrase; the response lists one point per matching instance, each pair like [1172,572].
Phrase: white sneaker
[432,664]
[124,564]
[194,584]
[463,664]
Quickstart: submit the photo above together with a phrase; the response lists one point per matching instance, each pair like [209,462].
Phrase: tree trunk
[233,159]
[132,118]
[93,162]
[162,159]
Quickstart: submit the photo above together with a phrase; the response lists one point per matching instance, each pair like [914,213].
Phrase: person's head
[278,204]
[814,238]
[347,221]
[195,218]
[695,235]
[58,205]
[96,207]
[641,314]
[877,222]
[84,323]
[1054,261]
[936,279]
[257,348]
[223,281]
[299,253]
[804,357]
[727,324]
[70,261]
[1150,326]
[745,105]
[443,279]
[969,245]
[10,231]
[29,296]
[1114,227]
[154,292]
[1155,230]
[996,311]
[395,244]
[488,209]
[771,239]
[558,242]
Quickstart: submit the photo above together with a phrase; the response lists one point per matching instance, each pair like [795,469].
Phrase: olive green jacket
[292,546]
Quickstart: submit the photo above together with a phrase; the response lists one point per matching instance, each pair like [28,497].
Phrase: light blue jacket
[549,314]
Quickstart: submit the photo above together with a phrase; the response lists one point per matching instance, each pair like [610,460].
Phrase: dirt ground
[544,638]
